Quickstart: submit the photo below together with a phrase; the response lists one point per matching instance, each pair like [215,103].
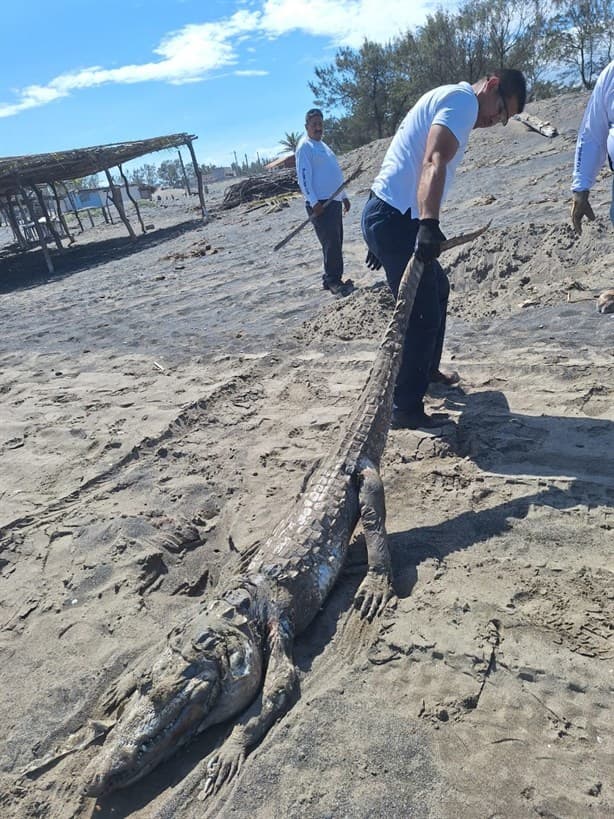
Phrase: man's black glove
[372,262]
[428,240]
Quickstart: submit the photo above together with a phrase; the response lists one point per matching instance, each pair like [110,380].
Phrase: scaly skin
[213,666]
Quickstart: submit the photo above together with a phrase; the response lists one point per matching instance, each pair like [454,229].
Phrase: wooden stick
[61,217]
[199,179]
[13,221]
[116,198]
[71,202]
[39,230]
[47,215]
[131,198]
[330,199]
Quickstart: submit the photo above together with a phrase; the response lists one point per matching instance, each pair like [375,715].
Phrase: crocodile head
[207,670]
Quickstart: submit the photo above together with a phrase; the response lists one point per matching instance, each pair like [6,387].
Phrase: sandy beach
[162,402]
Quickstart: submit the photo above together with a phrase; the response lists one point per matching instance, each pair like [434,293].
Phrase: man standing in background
[595,141]
[319,176]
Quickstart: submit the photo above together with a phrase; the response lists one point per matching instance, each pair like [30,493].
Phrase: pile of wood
[261,187]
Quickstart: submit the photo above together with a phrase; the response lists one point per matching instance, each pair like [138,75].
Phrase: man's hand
[428,240]
[581,207]
[372,262]
[346,205]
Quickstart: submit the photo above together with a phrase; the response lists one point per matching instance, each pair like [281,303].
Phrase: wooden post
[39,229]
[24,216]
[74,208]
[116,198]
[108,209]
[185,176]
[61,217]
[132,199]
[47,215]
[19,237]
[199,180]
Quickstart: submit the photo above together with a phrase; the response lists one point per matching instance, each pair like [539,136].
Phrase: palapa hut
[21,176]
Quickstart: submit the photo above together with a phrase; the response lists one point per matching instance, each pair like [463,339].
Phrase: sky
[233,72]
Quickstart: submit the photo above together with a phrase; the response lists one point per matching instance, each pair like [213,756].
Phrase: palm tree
[290,141]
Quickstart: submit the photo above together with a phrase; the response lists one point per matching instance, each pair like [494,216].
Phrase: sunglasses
[505,114]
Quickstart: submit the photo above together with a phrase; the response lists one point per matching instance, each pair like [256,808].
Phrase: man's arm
[441,147]
[591,148]
[304,174]
[593,134]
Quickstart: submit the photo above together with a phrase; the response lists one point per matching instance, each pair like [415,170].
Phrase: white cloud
[345,22]
[196,51]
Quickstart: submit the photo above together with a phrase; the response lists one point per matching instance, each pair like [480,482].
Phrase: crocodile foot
[373,594]
[222,767]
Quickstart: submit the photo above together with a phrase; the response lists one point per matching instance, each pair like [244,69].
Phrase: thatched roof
[61,165]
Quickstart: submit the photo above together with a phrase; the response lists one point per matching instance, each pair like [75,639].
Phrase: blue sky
[233,72]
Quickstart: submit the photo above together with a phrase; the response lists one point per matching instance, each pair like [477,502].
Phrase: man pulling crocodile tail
[402,216]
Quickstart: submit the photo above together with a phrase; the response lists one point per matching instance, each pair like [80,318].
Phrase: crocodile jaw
[208,670]
[154,724]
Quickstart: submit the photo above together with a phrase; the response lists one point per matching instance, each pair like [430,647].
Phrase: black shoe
[339,288]
[447,379]
[417,420]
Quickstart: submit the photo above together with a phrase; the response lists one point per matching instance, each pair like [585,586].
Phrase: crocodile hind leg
[224,764]
[375,590]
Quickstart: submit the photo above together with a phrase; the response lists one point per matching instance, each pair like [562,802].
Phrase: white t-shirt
[596,134]
[456,107]
[317,170]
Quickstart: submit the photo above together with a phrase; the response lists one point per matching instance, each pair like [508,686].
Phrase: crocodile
[233,657]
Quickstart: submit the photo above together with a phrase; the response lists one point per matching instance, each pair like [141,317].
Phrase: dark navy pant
[329,230]
[391,235]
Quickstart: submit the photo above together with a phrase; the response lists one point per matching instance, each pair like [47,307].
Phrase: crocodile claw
[373,594]
[222,767]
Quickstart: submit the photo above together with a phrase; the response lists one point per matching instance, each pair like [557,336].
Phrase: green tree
[169,173]
[435,52]
[581,37]
[146,174]
[290,141]
[369,87]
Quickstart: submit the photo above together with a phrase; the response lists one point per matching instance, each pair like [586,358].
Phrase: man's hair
[313,112]
[512,84]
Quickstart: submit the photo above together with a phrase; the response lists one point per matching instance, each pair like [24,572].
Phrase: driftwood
[261,187]
[540,125]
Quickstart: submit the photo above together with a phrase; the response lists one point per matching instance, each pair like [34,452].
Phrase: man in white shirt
[402,217]
[595,142]
[319,176]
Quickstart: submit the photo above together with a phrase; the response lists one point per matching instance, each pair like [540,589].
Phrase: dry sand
[161,408]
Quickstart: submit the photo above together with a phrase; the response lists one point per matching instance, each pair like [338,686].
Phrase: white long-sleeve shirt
[317,170]
[596,134]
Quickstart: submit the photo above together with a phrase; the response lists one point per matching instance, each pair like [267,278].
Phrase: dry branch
[261,187]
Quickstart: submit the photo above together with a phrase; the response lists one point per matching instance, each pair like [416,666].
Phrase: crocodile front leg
[375,590]
[280,677]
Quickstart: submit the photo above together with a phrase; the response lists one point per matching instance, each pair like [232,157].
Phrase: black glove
[428,240]
[372,262]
